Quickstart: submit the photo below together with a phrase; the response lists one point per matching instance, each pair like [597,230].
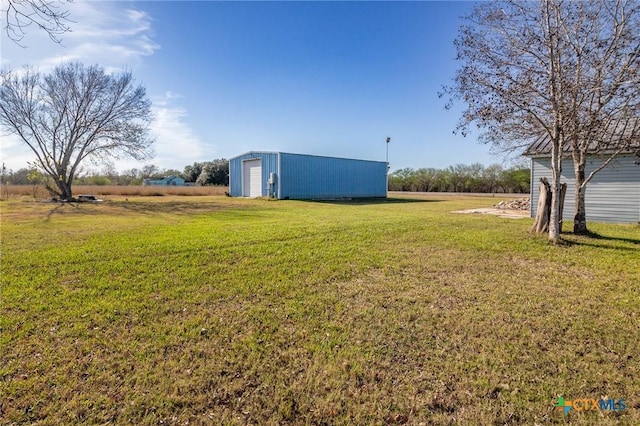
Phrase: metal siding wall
[235,177]
[311,177]
[533,192]
[540,167]
[269,164]
[613,195]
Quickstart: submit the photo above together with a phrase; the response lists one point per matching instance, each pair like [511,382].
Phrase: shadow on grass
[59,209]
[372,201]
[170,207]
[593,239]
[145,208]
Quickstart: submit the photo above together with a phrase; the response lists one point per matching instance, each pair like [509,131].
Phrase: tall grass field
[38,192]
[199,310]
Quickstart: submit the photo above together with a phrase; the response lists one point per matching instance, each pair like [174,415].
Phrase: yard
[212,310]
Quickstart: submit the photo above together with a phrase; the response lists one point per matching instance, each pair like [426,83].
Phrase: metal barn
[285,176]
[612,196]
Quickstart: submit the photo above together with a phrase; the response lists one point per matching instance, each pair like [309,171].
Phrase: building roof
[542,145]
[302,155]
[164,179]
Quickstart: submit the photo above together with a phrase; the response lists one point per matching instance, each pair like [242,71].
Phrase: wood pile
[519,204]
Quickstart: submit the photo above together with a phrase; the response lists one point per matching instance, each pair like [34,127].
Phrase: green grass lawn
[210,310]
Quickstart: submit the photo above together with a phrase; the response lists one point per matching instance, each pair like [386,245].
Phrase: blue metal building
[285,176]
[165,181]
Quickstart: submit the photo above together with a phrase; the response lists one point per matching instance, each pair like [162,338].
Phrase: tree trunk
[543,213]
[580,218]
[67,194]
[563,193]
[62,189]
[541,223]
[555,214]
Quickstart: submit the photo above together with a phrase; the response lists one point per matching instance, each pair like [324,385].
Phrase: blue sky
[324,78]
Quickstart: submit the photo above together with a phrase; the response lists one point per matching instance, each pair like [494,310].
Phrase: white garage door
[252,178]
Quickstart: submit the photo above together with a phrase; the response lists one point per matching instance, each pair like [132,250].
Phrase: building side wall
[312,177]
[269,165]
[612,196]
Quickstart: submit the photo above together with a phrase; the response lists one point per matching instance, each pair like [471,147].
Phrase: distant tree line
[204,173]
[462,178]
[458,178]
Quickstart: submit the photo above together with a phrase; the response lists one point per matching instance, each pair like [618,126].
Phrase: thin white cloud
[102,33]
[115,37]
[13,153]
[176,143]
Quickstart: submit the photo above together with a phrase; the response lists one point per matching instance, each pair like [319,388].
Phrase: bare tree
[563,69]
[603,45]
[150,171]
[48,15]
[74,114]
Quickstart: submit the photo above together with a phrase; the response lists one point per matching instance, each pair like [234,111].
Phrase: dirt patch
[508,213]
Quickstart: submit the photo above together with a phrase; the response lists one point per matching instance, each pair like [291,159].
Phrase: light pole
[388,140]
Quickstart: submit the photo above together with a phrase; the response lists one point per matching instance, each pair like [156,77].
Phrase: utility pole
[388,140]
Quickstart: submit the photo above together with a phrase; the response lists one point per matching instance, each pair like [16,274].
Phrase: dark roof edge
[541,147]
[304,155]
